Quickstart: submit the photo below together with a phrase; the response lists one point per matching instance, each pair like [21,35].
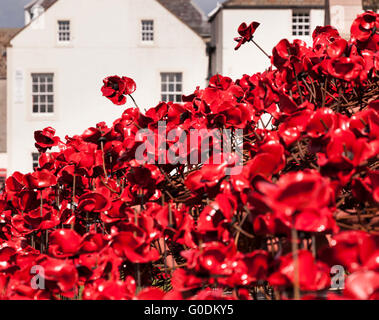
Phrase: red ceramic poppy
[115,88]
[64,243]
[246,33]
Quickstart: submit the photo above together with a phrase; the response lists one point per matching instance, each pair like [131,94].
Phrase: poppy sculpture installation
[274,211]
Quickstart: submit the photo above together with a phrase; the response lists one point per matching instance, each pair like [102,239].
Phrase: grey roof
[188,13]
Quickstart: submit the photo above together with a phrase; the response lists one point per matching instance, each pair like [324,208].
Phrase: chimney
[33,10]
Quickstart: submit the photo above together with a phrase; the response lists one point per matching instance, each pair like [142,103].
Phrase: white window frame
[172,86]
[147,31]
[299,23]
[65,33]
[42,98]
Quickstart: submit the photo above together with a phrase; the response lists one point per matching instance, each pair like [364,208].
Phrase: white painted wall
[106,41]
[343,13]
[275,24]
[3,160]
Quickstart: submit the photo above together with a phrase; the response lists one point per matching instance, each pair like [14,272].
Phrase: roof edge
[27,25]
[212,15]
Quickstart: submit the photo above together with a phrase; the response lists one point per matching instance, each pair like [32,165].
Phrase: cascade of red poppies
[103,225]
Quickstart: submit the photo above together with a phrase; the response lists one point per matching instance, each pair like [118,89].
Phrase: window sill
[64,44]
[42,116]
[148,44]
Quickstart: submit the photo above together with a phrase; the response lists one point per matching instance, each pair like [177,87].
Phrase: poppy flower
[321,122]
[362,285]
[14,183]
[35,220]
[45,139]
[323,37]
[133,247]
[62,274]
[93,242]
[289,55]
[345,147]
[94,202]
[367,189]
[297,191]
[115,88]
[110,290]
[246,33]
[364,30]
[313,275]
[39,179]
[64,243]
[151,294]
[351,249]
[345,68]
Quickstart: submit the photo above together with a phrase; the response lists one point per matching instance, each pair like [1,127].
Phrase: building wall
[3,116]
[343,13]
[217,42]
[106,41]
[275,24]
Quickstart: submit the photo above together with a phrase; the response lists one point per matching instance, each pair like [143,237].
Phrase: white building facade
[56,64]
[291,19]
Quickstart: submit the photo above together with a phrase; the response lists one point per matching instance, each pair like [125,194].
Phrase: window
[171,87]
[301,24]
[43,92]
[64,31]
[147,30]
[35,159]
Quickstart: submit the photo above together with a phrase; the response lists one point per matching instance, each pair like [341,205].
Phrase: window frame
[41,98]
[298,26]
[147,32]
[176,93]
[66,32]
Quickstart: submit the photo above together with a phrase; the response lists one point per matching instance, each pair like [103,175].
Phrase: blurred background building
[51,68]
